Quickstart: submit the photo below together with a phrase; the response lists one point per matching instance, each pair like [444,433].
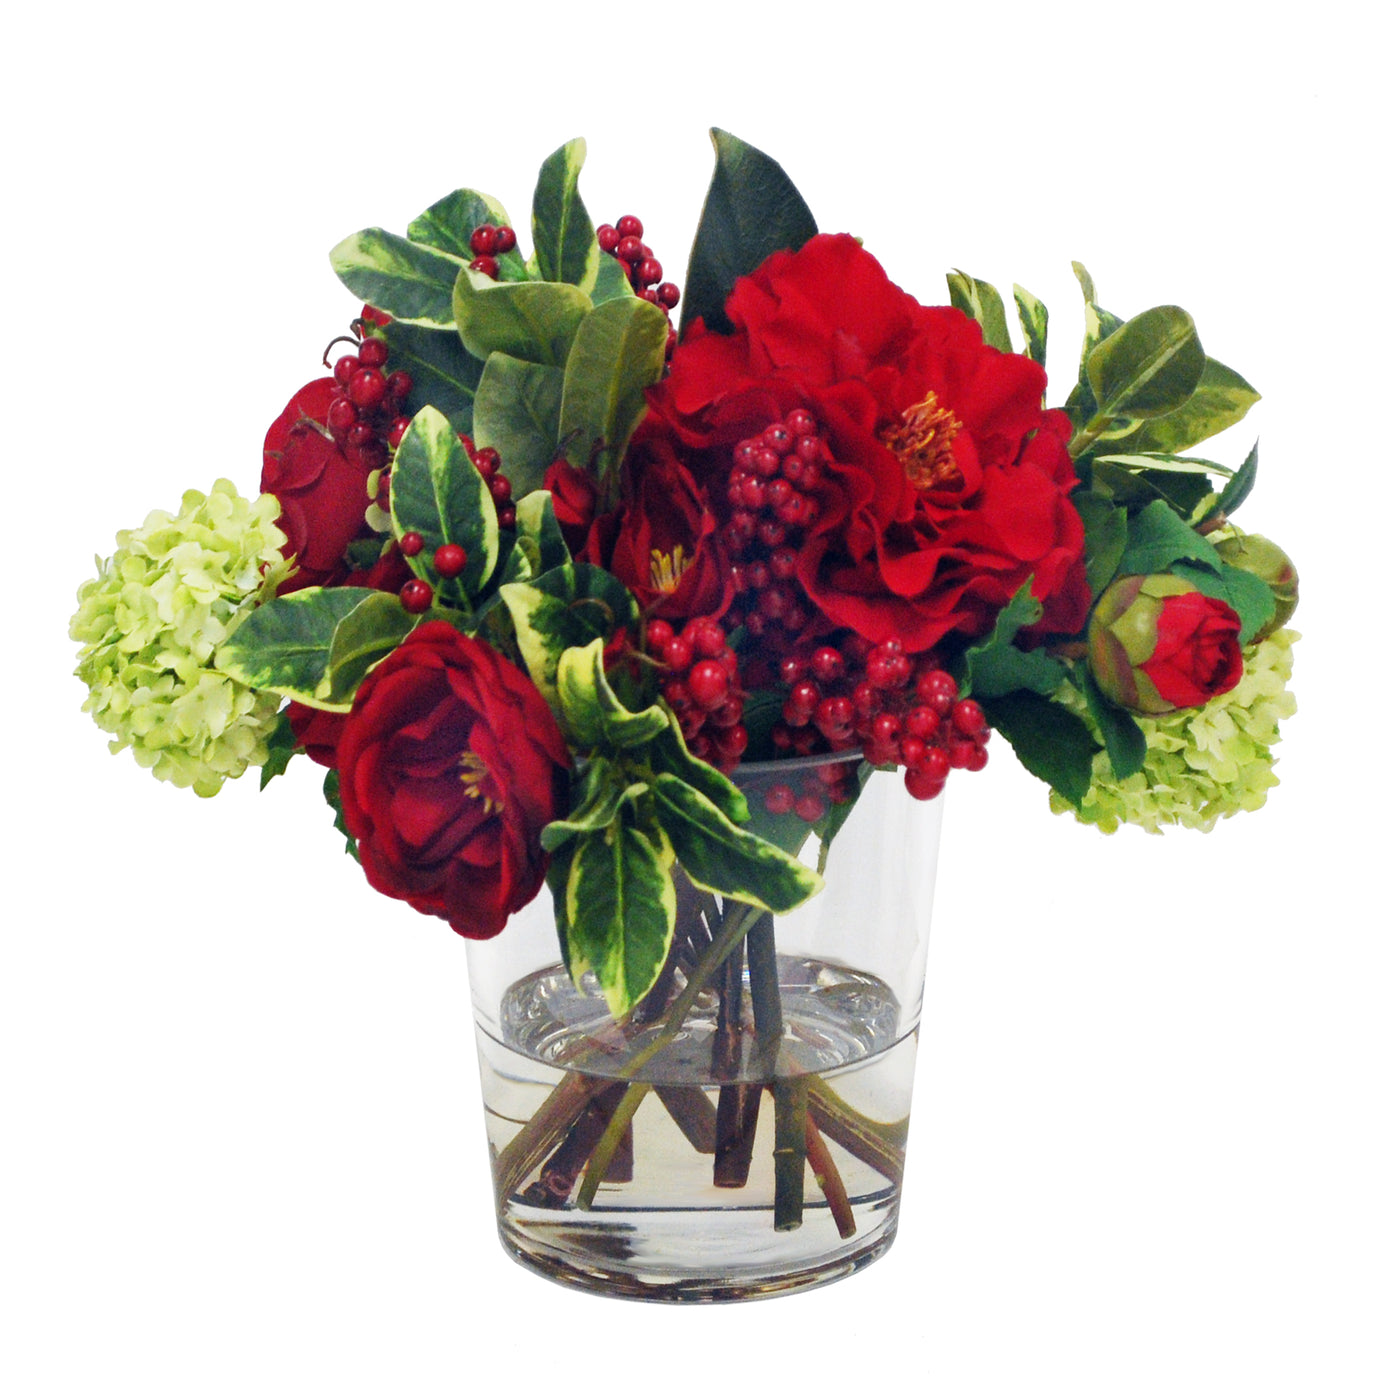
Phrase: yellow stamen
[923,442]
[666,569]
[473,772]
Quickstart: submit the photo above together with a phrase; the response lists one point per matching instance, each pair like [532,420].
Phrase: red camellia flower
[321,491]
[945,485]
[451,765]
[662,543]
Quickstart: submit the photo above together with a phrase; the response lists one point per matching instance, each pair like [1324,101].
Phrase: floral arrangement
[552,550]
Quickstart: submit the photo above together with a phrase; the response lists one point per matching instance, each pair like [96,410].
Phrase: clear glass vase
[742,1132]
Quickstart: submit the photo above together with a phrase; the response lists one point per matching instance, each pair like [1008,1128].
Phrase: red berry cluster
[828,785]
[365,418]
[488,462]
[770,507]
[623,241]
[900,711]
[488,243]
[700,682]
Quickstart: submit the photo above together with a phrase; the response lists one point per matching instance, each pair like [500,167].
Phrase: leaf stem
[610,1141]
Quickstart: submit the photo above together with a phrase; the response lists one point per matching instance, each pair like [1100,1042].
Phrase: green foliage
[444,375]
[1098,326]
[538,533]
[412,283]
[1220,399]
[751,210]
[284,646]
[435,490]
[330,789]
[533,321]
[982,302]
[1158,538]
[618,353]
[449,224]
[517,413]
[282,747]
[1048,739]
[1183,483]
[997,666]
[1122,734]
[362,638]
[620,911]
[566,246]
[1149,366]
[1105,537]
[1241,484]
[590,711]
[1035,323]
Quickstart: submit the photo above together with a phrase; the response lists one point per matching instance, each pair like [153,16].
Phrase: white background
[1154,1147]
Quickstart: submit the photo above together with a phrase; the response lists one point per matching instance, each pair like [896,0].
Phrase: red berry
[706,636]
[977,760]
[659,633]
[780,799]
[732,740]
[416,596]
[345,369]
[629,249]
[373,353]
[730,713]
[669,295]
[922,785]
[648,272]
[960,752]
[912,751]
[360,435]
[341,416]
[834,716]
[608,238]
[935,763]
[678,654]
[367,388]
[828,664]
[922,722]
[372,455]
[629,226]
[783,563]
[810,807]
[396,431]
[800,423]
[506,518]
[708,684]
[500,488]
[884,728]
[483,240]
[487,461]
[411,544]
[968,718]
[938,689]
[505,239]
[400,384]
[488,265]
[791,669]
[449,560]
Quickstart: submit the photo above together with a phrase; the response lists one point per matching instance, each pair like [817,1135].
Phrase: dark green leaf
[1098,326]
[1249,595]
[1241,484]
[285,644]
[566,245]
[618,353]
[1158,538]
[282,747]
[1139,480]
[1150,365]
[1035,322]
[1122,735]
[751,210]
[726,859]
[535,523]
[436,491]
[443,374]
[533,321]
[330,788]
[598,801]
[997,667]
[982,302]
[1049,740]
[610,283]
[410,282]
[1105,538]
[620,904]
[517,413]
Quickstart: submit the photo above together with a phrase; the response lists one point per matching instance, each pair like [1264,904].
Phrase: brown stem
[829,1179]
[692,1112]
[530,1147]
[789,1151]
[880,1145]
[557,1176]
[735,1124]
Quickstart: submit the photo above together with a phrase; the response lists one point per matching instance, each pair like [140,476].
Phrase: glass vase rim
[773,767]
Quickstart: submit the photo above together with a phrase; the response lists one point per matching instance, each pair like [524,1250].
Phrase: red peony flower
[947,484]
[321,491]
[1156,645]
[662,543]
[451,765]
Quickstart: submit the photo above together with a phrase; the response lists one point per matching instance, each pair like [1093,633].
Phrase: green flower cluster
[151,621]
[1202,764]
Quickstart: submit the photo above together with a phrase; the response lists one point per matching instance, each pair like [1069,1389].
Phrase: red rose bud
[1156,644]
[1265,560]
[451,765]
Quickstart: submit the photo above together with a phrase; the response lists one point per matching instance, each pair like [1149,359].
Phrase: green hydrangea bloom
[151,621]
[1201,764]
